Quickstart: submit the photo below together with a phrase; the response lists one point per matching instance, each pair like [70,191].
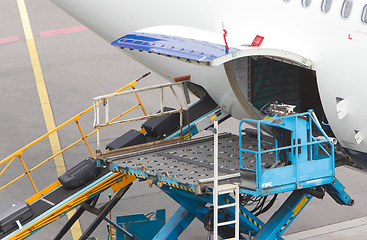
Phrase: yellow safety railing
[117,178]
[18,154]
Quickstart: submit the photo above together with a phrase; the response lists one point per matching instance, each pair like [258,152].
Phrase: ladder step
[223,177]
[226,188]
[227,205]
[226,223]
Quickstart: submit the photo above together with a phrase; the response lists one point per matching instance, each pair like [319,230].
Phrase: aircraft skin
[336,45]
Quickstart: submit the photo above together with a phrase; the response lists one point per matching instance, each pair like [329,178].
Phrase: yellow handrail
[67,206]
[84,137]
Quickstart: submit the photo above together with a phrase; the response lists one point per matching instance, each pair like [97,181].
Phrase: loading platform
[259,165]
[212,178]
[188,165]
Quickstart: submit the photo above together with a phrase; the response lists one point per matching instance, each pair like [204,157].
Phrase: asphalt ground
[78,66]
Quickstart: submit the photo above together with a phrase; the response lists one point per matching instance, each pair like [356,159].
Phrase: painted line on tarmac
[351,228]
[62,31]
[45,102]
[9,39]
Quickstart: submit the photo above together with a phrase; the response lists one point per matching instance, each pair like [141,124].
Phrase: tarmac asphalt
[77,65]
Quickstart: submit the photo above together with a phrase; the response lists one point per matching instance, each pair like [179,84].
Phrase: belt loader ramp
[187,171]
[55,201]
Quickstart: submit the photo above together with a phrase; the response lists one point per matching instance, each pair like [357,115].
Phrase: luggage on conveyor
[80,174]
[162,125]
[130,138]
[18,210]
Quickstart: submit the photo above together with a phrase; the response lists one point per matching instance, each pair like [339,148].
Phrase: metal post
[98,137]
[186,102]
[237,214]
[311,140]
[215,190]
[240,143]
[161,100]
[98,143]
[28,173]
[258,158]
[85,139]
[97,113]
[295,149]
[181,120]
[109,229]
[188,124]
[105,103]
[185,92]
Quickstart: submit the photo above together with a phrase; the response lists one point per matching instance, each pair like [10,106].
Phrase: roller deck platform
[189,165]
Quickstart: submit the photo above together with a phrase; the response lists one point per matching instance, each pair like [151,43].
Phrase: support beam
[195,204]
[73,219]
[118,228]
[336,191]
[175,225]
[104,212]
[285,215]
[90,206]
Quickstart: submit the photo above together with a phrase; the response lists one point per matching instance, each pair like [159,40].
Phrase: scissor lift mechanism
[184,170]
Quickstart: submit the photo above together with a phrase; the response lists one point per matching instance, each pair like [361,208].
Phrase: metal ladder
[224,189]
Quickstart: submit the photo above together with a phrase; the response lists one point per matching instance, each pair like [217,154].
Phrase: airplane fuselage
[333,38]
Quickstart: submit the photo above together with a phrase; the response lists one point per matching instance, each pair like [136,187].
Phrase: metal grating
[191,161]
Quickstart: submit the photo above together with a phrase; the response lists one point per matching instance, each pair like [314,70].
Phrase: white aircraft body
[309,53]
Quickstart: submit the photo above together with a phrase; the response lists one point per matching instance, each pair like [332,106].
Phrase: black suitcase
[18,210]
[130,138]
[80,174]
[162,125]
